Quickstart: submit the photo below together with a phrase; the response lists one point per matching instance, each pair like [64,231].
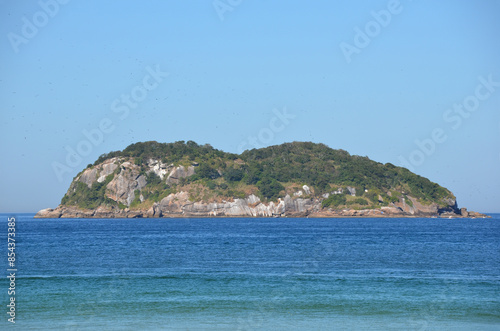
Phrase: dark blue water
[255,274]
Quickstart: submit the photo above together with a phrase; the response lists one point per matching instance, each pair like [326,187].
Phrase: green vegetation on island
[334,176]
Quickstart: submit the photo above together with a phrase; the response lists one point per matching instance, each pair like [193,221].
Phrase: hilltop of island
[298,179]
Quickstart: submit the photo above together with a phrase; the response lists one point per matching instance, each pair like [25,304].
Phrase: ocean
[253,274]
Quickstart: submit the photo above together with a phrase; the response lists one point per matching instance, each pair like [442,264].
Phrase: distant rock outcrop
[179,172]
[179,205]
[123,186]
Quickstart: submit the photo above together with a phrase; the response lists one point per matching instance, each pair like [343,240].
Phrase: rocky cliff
[202,182]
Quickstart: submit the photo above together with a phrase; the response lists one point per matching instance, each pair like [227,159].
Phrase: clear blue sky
[64,69]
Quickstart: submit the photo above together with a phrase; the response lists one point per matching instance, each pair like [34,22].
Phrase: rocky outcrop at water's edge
[179,205]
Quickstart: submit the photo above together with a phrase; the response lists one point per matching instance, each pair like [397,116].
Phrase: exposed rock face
[97,173]
[49,213]
[122,187]
[178,173]
[158,167]
[154,211]
[178,205]
[89,177]
[340,190]
[107,169]
[306,189]
[297,205]
[127,177]
[382,212]
[126,180]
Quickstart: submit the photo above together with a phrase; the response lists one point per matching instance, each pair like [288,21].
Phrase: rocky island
[299,179]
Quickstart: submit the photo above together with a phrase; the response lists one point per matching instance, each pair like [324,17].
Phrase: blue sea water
[255,274]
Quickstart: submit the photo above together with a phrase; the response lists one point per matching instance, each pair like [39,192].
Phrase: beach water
[255,274]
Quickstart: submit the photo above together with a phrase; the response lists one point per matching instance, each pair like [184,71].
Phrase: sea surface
[254,274]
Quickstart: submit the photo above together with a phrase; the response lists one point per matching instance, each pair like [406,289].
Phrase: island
[298,179]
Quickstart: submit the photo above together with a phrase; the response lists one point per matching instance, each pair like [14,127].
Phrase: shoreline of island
[240,208]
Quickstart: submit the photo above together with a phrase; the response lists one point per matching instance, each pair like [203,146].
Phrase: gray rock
[159,168]
[251,199]
[306,189]
[122,187]
[141,182]
[89,176]
[49,213]
[154,211]
[108,169]
[178,173]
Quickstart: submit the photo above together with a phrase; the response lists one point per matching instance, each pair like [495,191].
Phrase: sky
[413,83]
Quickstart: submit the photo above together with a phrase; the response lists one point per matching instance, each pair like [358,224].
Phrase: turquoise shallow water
[256,274]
